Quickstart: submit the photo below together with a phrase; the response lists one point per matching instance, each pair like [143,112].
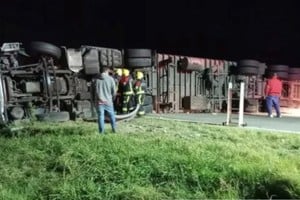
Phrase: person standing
[117,76]
[126,89]
[139,90]
[273,90]
[117,101]
[105,93]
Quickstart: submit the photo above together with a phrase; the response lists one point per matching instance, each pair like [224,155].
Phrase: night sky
[265,30]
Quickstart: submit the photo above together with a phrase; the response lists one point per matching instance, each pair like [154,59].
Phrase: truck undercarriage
[56,83]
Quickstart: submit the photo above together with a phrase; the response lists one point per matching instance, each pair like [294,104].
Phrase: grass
[148,159]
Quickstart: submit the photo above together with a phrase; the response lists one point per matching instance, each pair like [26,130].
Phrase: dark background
[264,30]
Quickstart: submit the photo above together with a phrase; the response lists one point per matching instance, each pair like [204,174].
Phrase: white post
[2,102]
[229,103]
[241,105]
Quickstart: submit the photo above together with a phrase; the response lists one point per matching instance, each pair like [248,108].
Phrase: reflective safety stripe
[141,112]
[140,92]
[140,100]
[126,99]
[131,108]
[128,93]
[131,89]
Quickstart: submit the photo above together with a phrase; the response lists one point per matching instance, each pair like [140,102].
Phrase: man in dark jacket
[273,92]
[105,93]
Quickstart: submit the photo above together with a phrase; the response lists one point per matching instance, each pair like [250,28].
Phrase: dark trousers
[127,104]
[140,98]
[273,101]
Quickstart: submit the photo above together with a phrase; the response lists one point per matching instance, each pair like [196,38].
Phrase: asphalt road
[285,124]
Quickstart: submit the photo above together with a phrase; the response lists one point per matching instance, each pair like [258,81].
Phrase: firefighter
[126,90]
[139,90]
[117,101]
[117,76]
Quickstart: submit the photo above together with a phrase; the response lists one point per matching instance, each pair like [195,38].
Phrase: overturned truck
[51,83]
[55,83]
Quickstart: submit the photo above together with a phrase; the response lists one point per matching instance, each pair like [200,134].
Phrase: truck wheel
[138,58]
[281,74]
[148,100]
[294,70]
[138,53]
[37,48]
[139,62]
[247,70]
[249,63]
[294,77]
[278,68]
[148,108]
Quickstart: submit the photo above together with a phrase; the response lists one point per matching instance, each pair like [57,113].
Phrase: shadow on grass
[277,189]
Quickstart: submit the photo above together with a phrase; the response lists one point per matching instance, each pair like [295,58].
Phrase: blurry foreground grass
[148,159]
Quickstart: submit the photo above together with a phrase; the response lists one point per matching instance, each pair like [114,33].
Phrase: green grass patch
[147,159]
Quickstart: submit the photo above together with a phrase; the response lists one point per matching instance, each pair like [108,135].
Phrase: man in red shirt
[273,92]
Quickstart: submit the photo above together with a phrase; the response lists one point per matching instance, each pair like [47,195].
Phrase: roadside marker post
[241,106]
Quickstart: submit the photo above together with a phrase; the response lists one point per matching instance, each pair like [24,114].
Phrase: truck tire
[148,100]
[251,105]
[261,70]
[139,62]
[294,70]
[37,49]
[282,75]
[294,77]
[138,53]
[138,58]
[251,109]
[247,70]
[249,63]
[148,108]
[278,68]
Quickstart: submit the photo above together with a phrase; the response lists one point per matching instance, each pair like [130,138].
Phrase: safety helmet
[118,71]
[139,75]
[125,72]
